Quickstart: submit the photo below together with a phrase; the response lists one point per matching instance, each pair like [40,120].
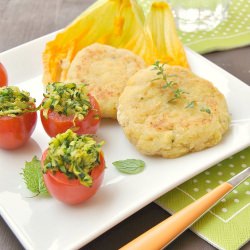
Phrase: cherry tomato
[56,123]
[15,131]
[3,76]
[71,191]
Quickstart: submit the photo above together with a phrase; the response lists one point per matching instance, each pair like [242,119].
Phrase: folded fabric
[233,32]
[227,225]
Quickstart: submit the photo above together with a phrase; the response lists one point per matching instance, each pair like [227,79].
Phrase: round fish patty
[106,70]
[159,121]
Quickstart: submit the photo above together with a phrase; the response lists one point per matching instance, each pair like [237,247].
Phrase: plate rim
[15,228]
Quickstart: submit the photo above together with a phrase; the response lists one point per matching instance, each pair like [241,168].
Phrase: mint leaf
[33,177]
[130,166]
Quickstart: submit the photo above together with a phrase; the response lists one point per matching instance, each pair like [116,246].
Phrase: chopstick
[165,232]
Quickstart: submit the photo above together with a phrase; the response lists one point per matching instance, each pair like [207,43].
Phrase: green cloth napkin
[227,225]
[233,32]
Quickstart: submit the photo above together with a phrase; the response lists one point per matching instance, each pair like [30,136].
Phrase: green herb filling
[15,102]
[73,155]
[66,99]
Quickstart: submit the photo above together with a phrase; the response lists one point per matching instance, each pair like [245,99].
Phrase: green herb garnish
[202,109]
[14,101]
[205,109]
[66,99]
[177,92]
[169,84]
[130,166]
[73,155]
[190,105]
[33,177]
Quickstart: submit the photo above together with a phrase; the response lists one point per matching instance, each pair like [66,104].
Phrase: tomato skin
[16,131]
[56,123]
[72,192]
[3,76]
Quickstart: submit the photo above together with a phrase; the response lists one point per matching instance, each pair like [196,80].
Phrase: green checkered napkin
[227,225]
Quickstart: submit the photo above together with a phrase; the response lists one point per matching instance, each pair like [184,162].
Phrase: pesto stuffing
[14,101]
[66,99]
[73,155]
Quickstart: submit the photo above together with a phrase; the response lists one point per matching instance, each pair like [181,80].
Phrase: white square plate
[45,223]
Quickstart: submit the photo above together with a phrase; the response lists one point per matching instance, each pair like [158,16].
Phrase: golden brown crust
[157,125]
[106,70]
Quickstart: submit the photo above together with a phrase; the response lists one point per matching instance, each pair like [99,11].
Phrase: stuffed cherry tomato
[3,76]
[69,105]
[18,117]
[73,167]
